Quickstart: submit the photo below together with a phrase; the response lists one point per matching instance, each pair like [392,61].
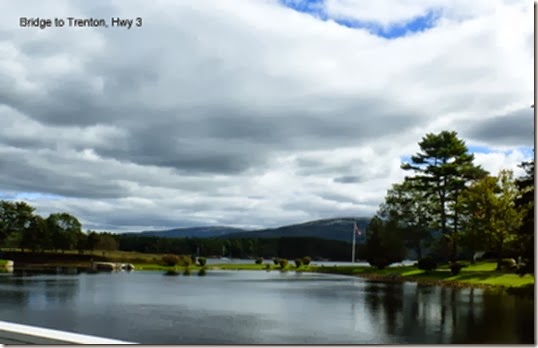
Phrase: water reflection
[426,314]
[264,308]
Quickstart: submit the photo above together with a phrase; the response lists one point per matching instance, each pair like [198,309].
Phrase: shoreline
[480,276]
[526,290]
[473,279]
[430,282]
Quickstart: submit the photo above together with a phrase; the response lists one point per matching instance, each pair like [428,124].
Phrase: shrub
[259,260]
[268,267]
[202,272]
[456,267]
[306,260]
[508,264]
[187,271]
[427,264]
[170,260]
[298,263]
[171,273]
[283,263]
[523,268]
[379,262]
[276,260]
[185,261]
[202,261]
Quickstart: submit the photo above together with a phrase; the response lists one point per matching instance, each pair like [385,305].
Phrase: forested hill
[340,229]
[334,229]
[198,232]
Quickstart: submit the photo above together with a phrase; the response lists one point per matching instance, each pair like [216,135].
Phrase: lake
[258,307]
[213,261]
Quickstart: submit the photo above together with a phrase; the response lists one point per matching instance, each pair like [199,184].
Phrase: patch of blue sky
[7,196]
[311,7]
[527,151]
[394,31]
[35,195]
[405,159]
[479,149]
[316,9]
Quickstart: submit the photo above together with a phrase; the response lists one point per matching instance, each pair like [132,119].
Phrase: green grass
[111,255]
[158,267]
[243,267]
[481,274]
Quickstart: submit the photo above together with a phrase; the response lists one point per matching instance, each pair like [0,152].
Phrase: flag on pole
[356,230]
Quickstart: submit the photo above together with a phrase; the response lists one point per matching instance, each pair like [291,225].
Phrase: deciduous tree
[36,236]
[64,229]
[493,215]
[14,218]
[525,202]
[411,209]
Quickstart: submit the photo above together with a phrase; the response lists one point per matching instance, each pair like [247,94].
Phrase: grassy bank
[480,275]
[3,263]
[158,267]
[71,257]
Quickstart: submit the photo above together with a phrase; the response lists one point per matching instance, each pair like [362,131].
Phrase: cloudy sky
[252,113]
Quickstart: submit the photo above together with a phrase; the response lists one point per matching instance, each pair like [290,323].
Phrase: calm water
[262,307]
[211,261]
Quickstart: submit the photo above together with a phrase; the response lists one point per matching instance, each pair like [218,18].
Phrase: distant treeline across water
[284,247]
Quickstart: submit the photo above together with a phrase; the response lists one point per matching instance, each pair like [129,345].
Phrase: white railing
[11,333]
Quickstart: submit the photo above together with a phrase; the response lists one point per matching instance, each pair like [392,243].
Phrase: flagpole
[353,250]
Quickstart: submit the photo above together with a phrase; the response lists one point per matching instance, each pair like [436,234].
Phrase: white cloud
[496,161]
[249,113]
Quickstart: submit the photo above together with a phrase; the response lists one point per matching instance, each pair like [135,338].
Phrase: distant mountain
[334,229]
[198,232]
[340,229]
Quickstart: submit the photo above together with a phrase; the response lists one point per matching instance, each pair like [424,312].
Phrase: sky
[252,113]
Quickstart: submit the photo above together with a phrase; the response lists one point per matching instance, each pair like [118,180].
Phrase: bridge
[11,333]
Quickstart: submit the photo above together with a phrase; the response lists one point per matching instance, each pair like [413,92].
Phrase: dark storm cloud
[231,140]
[66,102]
[307,167]
[18,174]
[514,129]
[347,179]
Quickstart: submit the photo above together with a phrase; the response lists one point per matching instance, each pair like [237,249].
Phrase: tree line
[471,209]
[241,248]
[21,228]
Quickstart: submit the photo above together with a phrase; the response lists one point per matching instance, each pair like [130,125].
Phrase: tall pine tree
[442,169]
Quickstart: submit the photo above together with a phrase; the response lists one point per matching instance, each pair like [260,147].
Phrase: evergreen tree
[443,168]
[384,245]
